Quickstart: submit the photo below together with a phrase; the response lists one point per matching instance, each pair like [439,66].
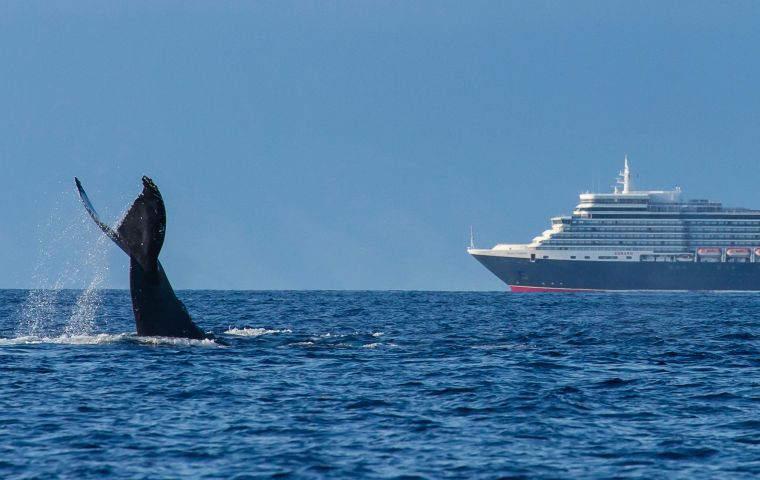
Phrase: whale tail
[140,235]
[141,232]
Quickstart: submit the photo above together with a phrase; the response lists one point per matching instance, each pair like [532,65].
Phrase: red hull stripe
[523,289]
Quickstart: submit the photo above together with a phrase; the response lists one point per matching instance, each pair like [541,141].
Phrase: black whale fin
[143,228]
[140,234]
[94,215]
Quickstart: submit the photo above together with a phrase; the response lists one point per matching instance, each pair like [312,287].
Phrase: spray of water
[71,253]
[82,319]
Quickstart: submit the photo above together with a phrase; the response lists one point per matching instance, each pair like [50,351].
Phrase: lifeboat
[686,257]
[708,252]
[737,252]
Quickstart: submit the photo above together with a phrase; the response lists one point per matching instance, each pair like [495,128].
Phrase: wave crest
[255,332]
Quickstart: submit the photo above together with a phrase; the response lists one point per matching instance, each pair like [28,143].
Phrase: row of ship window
[615,200]
[663,228]
[665,222]
[593,209]
[645,242]
[600,257]
[568,235]
[655,248]
[685,209]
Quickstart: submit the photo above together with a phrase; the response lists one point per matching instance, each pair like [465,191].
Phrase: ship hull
[524,275]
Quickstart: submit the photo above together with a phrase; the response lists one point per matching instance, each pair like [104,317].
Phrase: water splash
[71,253]
[82,319]
[38,311]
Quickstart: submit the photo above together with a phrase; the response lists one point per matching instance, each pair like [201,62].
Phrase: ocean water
[383,385]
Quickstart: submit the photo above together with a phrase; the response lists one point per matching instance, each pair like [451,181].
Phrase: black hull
[522,274]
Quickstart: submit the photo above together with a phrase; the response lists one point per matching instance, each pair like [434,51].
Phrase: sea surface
[303,384]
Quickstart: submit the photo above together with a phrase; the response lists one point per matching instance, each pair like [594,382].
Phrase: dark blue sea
[382,385]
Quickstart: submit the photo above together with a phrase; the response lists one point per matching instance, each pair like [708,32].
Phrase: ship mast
[625,178]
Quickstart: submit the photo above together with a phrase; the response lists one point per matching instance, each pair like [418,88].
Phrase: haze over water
[384,385]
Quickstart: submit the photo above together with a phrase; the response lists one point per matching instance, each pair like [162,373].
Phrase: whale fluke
[158,311]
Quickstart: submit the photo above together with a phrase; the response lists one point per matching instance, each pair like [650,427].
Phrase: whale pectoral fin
[94,215]
[143,228]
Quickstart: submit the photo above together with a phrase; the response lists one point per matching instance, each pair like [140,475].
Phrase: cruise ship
[635,240]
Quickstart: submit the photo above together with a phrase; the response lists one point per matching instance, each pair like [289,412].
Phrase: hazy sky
[350,145]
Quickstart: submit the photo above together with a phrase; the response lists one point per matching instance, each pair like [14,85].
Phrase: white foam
[254,332]
[104,338]
[206,342]
[378,334]
[98,339]
[301,344]
[379,344]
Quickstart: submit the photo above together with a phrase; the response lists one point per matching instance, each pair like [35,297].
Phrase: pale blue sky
[350,145]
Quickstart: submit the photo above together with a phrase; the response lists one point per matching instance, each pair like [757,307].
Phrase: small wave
[378,334]
[716,397]
[301,344]
[738,336]
[614,382]
[492,347]
[379,344]
[502,346]
[366,403]
[254,332]
[103,339]
[687,453]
